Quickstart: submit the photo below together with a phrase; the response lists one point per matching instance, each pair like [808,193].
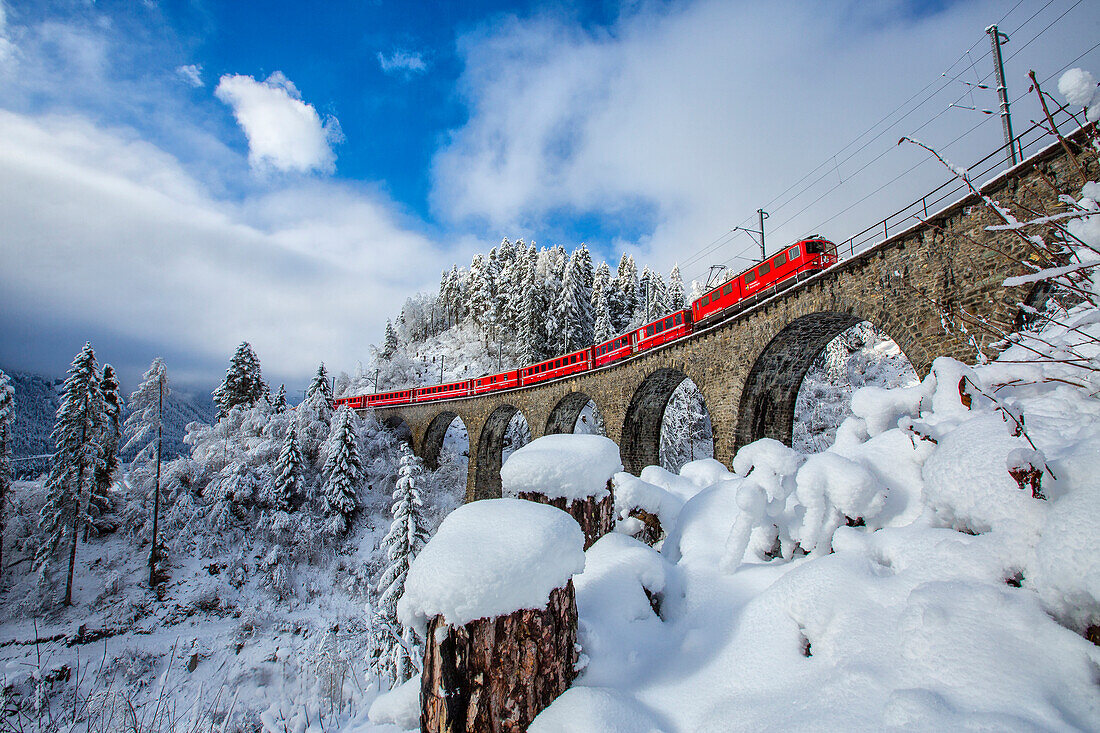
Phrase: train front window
[815,248]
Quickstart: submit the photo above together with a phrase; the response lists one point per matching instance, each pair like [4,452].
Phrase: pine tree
[676,299]
[99,501]
[479,300]
[603,330]
[577,321]
[77,456]
[279,403]
[390,347]
[624,300]
[7,430]
[395,647]
[320,385]
[243,384]
[658,304]
[145,426]
[289,483]
[342,472]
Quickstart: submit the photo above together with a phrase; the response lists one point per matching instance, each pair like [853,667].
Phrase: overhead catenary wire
[854,174]
[832,163]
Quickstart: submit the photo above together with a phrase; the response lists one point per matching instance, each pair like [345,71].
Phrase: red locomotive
[780,271]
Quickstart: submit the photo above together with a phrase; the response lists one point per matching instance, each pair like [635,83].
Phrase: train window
[727,289]
[749,276]
[668,322]
[764,269]
[780,259]
[679,319]
[793,252]
[705,300]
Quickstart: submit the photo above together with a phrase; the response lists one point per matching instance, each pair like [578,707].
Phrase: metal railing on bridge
[1029,141]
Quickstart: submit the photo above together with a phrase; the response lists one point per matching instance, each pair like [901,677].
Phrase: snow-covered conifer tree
[624,300]
[320,384]
[145,426]
[243,384]
[288,486]
[658,296]
[99,500]
[342,472]
[479,300]
[279,402]
[676,300]
[76,458]
[395,651]
[577,321]
[7,428]
[603,330]
[390,346]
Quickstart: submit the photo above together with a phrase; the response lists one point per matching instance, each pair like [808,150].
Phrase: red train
[776,273]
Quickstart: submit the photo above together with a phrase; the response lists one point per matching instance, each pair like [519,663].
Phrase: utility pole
[376,380]
[500,353]
[441,369]
[646,281]
[996,38]
[763,215]
[763,252]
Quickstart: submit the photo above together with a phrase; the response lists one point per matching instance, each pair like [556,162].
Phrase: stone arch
[563,418]
[397,424]
[490,448]
[432,442]
[768,397]
[641,436]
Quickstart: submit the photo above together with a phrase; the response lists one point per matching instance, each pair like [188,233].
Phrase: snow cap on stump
[572,467]
[491,558]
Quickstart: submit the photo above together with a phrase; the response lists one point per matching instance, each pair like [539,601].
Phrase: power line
[922,126]
[832,159]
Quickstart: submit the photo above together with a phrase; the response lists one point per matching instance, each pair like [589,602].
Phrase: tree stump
[595,516]
[497,674]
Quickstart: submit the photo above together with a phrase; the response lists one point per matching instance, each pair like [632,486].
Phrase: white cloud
[699,114]
[104,228]
[192,74]
[7,48]
[284,133]
[402,62]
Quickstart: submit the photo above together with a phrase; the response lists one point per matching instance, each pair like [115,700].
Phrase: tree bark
[156,489]
[595,516]
[497,674]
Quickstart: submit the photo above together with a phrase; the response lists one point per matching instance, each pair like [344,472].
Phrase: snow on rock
[562,466]
[703,473]
[703,524]
[631,492]
[587,709]
[831,489]
[490,558]
[621,577]
[400,706]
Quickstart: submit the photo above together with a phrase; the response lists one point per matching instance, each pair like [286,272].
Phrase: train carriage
[782,268]
[493,382]
[398,397]
[614,349]
[442,391]
[560,366]
[663,330]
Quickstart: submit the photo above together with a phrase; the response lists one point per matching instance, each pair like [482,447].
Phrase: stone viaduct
[749,367]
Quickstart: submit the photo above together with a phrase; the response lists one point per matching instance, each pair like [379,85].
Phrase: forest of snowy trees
[520,304]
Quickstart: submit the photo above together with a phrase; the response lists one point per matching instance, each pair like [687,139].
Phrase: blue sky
[176,177]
